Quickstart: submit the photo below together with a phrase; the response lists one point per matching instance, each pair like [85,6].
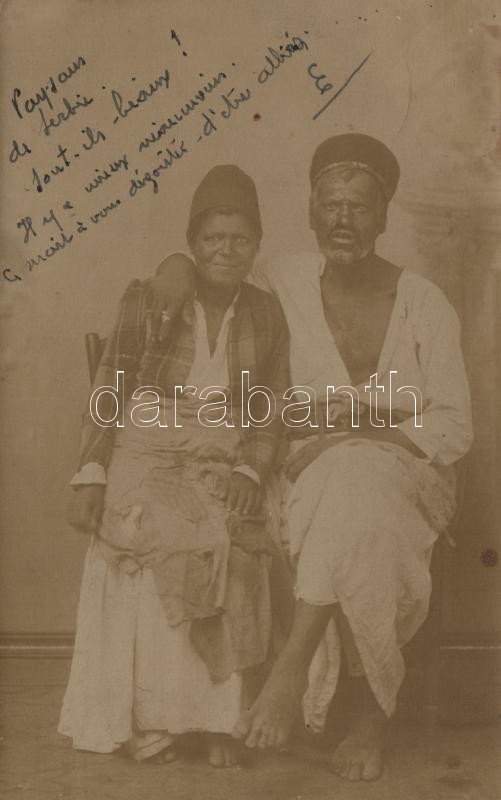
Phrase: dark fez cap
[226,186]
[357,150]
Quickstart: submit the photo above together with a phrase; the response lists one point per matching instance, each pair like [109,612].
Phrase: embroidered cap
[357,150]
[225,186]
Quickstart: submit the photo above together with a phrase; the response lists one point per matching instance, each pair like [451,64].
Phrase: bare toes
[354,773]
[357,763]
[254,735]
[372,768]
[242,728]
[221,752]
[262,742]
[345,770]
[337,765]
[280,738]
[273,739]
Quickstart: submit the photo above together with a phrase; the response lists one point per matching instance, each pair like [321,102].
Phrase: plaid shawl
[258,341]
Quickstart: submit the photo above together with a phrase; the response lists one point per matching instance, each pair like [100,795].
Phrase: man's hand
[172,286]
[86,508]
[244,495]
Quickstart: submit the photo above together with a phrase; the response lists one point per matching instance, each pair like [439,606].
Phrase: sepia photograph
[250,301]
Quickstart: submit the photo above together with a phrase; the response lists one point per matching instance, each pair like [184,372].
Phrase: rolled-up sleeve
[446,432]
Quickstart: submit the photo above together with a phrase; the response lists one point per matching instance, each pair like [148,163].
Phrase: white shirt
[206,370]
[422,344]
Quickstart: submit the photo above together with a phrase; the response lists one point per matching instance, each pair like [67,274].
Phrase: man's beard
[344,256]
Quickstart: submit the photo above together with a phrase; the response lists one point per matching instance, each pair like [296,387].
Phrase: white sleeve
[245,469]
[446,433]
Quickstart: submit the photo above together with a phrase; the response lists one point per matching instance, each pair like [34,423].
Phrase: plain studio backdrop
[430,89]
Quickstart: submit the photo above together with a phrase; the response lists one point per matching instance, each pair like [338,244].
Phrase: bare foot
[360,756]
[269,721]
[222,751]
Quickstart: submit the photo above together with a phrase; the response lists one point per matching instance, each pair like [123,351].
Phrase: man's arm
[260,445]
[446,433]
[121,352]
[172,286]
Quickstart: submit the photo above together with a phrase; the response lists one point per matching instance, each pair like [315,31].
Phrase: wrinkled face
[347,214]
[224,249]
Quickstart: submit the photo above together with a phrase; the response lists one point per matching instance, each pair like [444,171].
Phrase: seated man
[175,611]
[365,504]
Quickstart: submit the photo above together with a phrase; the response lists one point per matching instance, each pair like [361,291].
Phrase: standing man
[365,503]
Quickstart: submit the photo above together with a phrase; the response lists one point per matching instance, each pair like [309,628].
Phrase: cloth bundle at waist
[164,510]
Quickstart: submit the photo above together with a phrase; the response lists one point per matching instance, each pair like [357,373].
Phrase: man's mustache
[343,232]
